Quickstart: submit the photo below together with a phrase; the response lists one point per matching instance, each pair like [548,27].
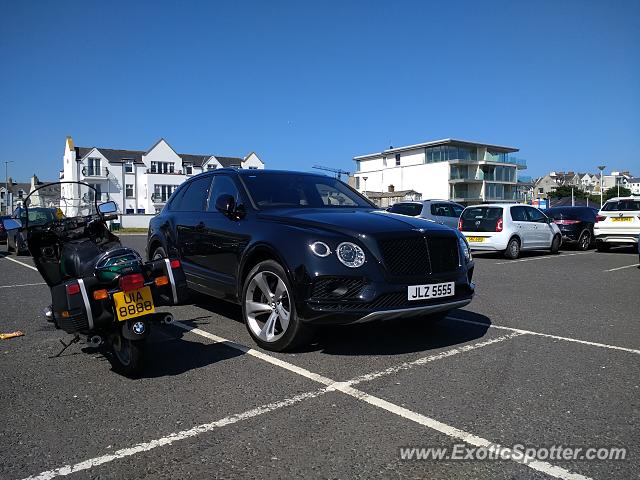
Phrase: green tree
[565,191]
[614,192]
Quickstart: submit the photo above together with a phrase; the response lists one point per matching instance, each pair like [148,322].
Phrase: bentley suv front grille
[406,257]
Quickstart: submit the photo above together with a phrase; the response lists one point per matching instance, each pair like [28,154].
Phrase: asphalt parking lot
[548,353]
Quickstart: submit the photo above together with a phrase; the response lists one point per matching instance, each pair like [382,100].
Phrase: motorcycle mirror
[226,204]
[11,224]
[108,207]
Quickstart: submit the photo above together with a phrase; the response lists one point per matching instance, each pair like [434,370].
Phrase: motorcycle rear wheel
[127,355]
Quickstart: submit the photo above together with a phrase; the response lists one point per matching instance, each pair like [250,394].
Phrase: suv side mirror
[226,204]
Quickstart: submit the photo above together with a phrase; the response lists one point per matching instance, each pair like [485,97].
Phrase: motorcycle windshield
[63,228]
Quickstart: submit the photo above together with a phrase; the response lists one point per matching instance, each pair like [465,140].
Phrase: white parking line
[547,335]
[22,285]
[21,263]
[622,268]
[424,360]
[329,386]
[174,437]
[547,257]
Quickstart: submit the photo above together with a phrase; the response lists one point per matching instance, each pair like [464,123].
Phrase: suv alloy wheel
[268,309]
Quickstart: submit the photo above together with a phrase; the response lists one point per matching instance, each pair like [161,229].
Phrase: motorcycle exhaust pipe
[95,341]
[168,319]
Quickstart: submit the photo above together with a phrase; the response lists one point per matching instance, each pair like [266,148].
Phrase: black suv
[298,250]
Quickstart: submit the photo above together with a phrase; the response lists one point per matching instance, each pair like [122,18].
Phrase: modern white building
[462,171]
[140,182]
[634,185]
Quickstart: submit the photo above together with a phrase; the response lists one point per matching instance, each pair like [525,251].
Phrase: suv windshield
[277,190]
[622,206]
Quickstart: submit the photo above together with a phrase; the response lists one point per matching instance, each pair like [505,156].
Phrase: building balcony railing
[159,199]
[91,196]
[99,172]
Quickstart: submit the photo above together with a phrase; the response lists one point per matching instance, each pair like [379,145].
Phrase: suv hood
[352,221]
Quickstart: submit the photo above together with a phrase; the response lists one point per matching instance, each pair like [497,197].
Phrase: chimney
[392,188]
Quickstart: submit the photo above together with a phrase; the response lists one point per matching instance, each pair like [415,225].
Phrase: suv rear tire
[555,244]
[513,249]
[269,310]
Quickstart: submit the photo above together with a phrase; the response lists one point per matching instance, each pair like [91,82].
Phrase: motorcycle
[100,290]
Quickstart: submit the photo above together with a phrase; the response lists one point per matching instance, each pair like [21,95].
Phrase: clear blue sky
[305,83]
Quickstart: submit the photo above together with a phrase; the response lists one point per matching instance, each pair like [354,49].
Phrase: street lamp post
[601,168]
[6,186]
[365,185]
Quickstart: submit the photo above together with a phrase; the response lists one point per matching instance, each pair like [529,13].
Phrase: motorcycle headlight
[350,254]
[464,248]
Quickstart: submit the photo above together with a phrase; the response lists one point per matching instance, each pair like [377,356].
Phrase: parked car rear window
[412,209]
[277,190]
[195,197]
[441,210]
[482,213]
[621,206]
[571,213]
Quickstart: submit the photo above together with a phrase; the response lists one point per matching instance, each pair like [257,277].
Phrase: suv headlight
[464,248]
[350,254]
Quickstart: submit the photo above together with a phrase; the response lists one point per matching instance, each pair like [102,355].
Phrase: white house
[634,185]
[140,182]
[466,172]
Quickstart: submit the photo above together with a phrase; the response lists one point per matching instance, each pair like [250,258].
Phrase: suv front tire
[269,311]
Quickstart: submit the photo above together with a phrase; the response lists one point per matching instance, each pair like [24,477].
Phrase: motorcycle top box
[99,288]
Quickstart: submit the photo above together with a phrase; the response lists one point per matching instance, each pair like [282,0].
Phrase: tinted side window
[536,215]
[518,214]
[457,210]
[222,185]
[441,210]
[194,199]
[412,209]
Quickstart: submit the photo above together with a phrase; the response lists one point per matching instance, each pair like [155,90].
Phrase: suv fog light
[350,254]
[320,249]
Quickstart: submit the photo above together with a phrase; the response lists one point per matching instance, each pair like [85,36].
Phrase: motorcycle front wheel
[127,355]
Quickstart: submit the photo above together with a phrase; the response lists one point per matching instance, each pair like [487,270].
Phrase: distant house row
[586,182]
[140,182]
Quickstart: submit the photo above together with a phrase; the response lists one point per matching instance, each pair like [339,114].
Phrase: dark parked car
[17,239]
[3,232]
[298,250]
[575,223]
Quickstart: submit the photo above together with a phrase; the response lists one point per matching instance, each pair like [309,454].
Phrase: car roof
[498,205]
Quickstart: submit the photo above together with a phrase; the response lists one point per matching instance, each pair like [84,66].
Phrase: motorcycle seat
[79,259]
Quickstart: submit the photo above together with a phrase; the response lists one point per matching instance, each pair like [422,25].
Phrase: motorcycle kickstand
[75,339]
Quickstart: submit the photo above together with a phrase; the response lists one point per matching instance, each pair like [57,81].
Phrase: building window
[2,195]
[128,166]
[541,190]
[141,210]
[253,168]
[161,193]
[20,193]
[162,167]
[397,159]
[188,169]
[129,211]
[128,190]
[93,168]
[212,166]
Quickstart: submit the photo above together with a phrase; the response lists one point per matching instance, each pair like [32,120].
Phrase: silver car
[440,211]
